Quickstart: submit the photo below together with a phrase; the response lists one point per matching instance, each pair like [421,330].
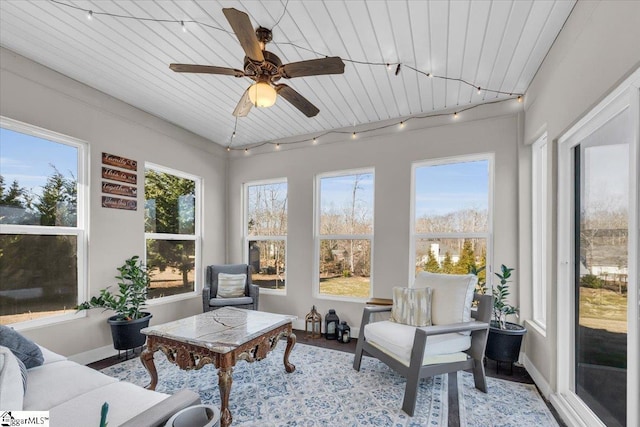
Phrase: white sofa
[74,394]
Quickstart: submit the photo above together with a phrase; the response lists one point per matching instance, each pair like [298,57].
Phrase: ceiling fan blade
[297,100]
[207,69]
[241,25]
[244,106]
[313,67]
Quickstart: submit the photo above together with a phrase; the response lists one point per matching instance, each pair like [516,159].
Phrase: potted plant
[128,305]
[505,338]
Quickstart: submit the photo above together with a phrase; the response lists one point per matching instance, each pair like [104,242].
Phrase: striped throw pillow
[231,285]
[411,306]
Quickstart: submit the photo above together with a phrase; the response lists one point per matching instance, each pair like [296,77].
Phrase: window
[539,172]
[451,215]
[172,230]
[266,233]
[42,224]
[344,234]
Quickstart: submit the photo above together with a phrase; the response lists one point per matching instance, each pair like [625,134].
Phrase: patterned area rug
[326,391]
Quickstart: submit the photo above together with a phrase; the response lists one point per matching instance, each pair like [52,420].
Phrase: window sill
[541,330]
[173,298]
[341,298]
[47,321]
[266,291]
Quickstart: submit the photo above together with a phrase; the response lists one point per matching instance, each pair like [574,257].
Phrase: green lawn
[355,286]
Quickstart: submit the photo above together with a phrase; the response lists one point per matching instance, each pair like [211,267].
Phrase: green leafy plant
[481,286]
[133,284]
[500,293]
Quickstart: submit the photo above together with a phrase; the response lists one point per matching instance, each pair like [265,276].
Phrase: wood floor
[519,374]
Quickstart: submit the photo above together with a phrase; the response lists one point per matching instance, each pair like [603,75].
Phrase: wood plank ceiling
[492,44]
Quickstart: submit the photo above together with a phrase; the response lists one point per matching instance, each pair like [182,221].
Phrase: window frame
[488,235]
[317,237]
[539,238]
[245,227]
[81,230]
[197,236]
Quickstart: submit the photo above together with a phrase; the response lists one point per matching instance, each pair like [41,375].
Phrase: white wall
[597,48]
[391,155]
[39,96]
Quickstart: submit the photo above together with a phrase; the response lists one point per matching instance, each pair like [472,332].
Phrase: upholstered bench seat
[235,302]
[396,340]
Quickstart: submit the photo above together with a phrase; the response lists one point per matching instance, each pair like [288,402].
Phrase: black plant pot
[126,333]
[503,345]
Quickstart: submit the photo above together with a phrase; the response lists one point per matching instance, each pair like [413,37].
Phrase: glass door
[598,247]
[601,274]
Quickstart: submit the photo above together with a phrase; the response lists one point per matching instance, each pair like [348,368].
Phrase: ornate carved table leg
[291,341]
[224,384]
[147,361]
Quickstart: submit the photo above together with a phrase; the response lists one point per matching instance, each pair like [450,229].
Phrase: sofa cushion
[24,349]
[411,306]
[11,386]
[451,298]
[397,340]
[125,401]
[223,302]
[54,383]
[50,356]
[231,285]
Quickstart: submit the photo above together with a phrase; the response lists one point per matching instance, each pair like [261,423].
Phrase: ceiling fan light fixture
[262,94]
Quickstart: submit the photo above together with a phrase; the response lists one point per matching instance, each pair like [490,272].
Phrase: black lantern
[313,323]
[331,322]
[344,333]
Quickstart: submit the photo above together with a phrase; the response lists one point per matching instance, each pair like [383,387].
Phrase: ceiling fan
[265,68]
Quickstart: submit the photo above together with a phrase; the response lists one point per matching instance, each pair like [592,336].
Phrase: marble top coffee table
[220,337]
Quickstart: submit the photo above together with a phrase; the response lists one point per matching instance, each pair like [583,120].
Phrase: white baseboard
[94,355]
[537,377]
[566,412]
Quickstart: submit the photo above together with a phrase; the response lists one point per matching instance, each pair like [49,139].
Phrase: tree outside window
[451,216]
[266,233]
[345,234]
[171,231]
[42,234]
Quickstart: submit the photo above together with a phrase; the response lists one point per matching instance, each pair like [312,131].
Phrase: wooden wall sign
[119,162]
[119,189]
[118,203]
[116,175]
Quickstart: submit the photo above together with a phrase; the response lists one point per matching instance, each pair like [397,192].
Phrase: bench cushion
[396,340]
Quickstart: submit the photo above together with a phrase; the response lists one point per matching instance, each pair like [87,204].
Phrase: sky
[441,189]
[27,159]
[336,192]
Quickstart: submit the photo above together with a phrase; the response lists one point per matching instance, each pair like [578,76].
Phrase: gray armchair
[420,352]
[210,290]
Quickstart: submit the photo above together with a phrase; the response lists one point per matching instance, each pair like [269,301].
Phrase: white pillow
[231,285]
[451,297]
[11,388]
[411,306]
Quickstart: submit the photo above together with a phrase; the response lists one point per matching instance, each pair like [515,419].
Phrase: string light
[479,90]
[213,27]
[314,140]
[278,146]
[401,125]
[430,75]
